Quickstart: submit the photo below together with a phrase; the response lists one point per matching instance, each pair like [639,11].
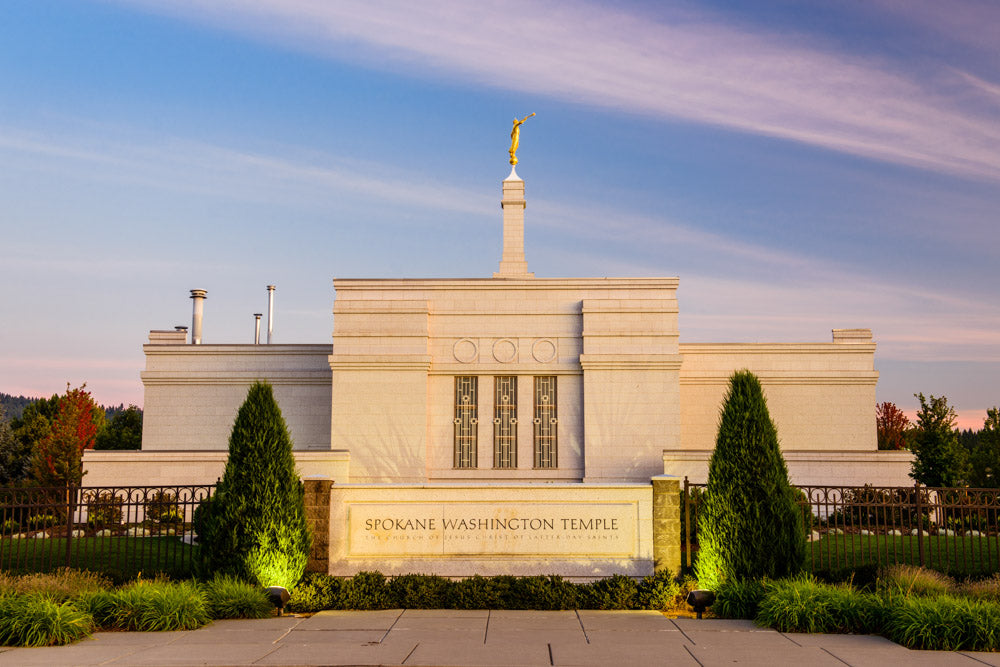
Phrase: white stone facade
[380,406]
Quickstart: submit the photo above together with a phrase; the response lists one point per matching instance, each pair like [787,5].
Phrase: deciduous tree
[122,431]
[58,457]
[890,425]
[984,453]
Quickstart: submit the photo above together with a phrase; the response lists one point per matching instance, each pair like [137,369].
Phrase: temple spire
[512,262]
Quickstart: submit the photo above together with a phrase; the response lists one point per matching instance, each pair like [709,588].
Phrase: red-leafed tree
[58,458]
[890,424]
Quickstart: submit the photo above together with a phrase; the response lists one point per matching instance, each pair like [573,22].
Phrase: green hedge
[372,590]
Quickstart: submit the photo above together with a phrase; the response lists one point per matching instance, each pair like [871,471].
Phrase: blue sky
[801,166]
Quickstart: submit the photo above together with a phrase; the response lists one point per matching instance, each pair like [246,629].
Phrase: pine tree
[749,524]
[256,527]
[938,459]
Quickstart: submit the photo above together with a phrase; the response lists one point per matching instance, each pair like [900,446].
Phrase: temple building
[509,378]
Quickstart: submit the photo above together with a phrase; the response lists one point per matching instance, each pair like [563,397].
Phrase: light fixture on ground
[278,596]
[700,599]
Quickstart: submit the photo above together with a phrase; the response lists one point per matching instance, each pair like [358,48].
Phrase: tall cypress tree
[256,526]
[749,525]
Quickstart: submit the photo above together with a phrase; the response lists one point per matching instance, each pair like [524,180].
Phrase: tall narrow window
[546,422]
[466,421]
[505,422]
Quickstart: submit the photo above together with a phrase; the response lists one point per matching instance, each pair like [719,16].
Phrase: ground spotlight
[279,596]
[700,599]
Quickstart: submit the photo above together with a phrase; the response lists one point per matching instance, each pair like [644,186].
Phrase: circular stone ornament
[466,351]
[505,350]
[543,350]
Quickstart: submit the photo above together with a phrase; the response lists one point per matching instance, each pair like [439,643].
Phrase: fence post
[920,523]
[666,523]
[687,522]
[317,505]
[70,497]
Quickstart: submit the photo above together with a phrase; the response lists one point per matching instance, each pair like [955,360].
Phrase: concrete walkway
[474,638]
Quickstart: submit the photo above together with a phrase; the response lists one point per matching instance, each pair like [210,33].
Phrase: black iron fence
[121,531]
[953,530]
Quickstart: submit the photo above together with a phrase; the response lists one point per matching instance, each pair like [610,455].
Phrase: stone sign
[540,529]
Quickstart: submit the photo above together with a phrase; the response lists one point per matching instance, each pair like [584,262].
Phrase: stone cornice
[608,362]
[475,284]
[698,377]
[274,377]
[776,348]
[240,349]
[380,362]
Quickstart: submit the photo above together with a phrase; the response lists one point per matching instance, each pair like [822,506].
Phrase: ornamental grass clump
[803,604]
[908,580]
[255,528]
[60,585]
[158,606]
[739,598]
[36,619]
[984,589]
[944,623]
[228,597]
[749,524]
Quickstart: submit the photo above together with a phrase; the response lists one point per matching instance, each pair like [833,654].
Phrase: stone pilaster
[512,262]
[317,503]
[666,523]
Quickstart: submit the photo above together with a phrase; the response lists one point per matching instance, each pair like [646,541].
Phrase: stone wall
[192,392]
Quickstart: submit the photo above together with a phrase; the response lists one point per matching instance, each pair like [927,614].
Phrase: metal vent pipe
[198,310]
[270,313]
[256,328]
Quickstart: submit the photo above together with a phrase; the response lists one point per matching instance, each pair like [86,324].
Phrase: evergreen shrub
[551,593]
[255,527]
[749,525]
[419,591]
[365,591]
[614,592]
[658,591]
[316,592]
[480,593]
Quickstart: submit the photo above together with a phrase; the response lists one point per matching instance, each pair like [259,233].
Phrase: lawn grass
[953,555]
[121,558]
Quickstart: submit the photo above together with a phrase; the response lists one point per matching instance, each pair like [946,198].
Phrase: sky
[801,165]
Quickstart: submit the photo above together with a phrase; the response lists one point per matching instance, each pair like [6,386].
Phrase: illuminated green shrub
[749,525]
[255,527]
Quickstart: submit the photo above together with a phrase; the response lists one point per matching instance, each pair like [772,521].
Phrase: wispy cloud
[699,68]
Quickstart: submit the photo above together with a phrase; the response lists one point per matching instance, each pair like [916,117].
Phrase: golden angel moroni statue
[515,138]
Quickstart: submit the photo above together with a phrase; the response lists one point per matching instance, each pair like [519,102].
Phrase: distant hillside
[13,406]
